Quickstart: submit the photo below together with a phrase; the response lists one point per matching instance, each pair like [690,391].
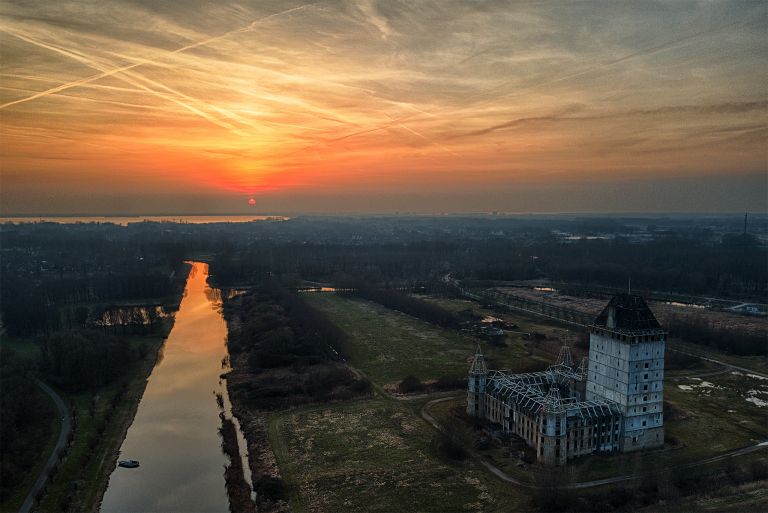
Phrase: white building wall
[631,373]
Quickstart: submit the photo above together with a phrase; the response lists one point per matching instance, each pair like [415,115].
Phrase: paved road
[720,362]
[426,415]
[66,427]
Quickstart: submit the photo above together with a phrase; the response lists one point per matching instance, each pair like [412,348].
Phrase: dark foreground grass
[376,456]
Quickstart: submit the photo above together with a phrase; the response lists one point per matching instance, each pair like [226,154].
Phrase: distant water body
[124,221]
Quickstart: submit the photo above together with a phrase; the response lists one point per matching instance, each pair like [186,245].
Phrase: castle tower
[478,375]
[626,365]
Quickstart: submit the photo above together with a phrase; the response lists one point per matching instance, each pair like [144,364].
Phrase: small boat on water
[128,463]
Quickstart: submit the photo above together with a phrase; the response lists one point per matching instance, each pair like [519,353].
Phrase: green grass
[758,363]
[375,456]
[545,351]
[24,348]
[388,345]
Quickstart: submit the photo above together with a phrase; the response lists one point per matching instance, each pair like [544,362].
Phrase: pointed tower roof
[553,400]
[627,313]
[478,363]
[564,357]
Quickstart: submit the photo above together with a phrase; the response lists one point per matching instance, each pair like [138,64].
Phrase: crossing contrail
[128,67]
[135,79]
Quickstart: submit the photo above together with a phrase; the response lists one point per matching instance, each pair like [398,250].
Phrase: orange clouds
[353,98]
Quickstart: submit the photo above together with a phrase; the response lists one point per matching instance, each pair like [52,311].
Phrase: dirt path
[427,416]
[66,428]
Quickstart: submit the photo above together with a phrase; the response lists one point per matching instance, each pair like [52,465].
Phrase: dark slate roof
[631,313]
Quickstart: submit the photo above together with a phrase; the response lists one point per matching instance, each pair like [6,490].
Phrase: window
[645,398]
[644,409]
[645,376]
[646,365]
[645,387]
[643,423]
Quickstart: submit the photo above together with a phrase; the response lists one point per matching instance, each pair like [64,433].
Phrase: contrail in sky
[131,78]
[128,67]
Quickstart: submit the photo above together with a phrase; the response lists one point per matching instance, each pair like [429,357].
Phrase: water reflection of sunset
[175,432]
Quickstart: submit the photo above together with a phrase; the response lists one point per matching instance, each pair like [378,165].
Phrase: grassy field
[376,456]
[545,350]
[758,363]
[388,345]
[24,348]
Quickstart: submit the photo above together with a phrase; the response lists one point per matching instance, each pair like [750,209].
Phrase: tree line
[24,422]
[291,351]
[728,339]
[86,360]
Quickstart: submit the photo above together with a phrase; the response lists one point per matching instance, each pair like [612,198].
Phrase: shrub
[450,383]
[270,488]
[410,384]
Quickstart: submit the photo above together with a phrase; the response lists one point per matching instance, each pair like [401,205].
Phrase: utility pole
[745,225]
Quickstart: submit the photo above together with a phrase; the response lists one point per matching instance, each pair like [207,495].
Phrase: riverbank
[100,424]
[122,421]
[254,425]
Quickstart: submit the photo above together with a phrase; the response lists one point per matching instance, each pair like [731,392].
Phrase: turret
[478,375]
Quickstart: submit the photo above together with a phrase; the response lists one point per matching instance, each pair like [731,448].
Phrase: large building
[612,403]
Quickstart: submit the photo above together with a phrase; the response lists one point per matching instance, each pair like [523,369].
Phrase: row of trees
[85,360]
[682,265]
[410,305]
[292,351]
[31,309]
[729,339]
[24,422]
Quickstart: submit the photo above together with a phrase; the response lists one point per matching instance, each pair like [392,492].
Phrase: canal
[175,434]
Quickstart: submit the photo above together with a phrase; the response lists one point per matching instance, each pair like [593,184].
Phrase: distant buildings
[610,402]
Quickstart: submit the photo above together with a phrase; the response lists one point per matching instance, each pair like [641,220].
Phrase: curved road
[66,427]
[585,484]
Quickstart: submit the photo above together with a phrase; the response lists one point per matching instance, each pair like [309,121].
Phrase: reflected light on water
[175,433]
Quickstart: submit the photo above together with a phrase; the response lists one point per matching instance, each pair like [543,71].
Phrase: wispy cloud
[241,96]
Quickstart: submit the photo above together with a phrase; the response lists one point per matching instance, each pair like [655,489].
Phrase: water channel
[174,435]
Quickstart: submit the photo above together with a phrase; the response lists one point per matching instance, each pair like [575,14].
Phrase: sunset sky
[364,106]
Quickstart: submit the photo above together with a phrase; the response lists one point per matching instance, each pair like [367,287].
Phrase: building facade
[612,401]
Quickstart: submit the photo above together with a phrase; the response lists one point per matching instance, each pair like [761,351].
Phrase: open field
[749,497]
[544,350]
[376,456]
[388,345]
[758,363]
